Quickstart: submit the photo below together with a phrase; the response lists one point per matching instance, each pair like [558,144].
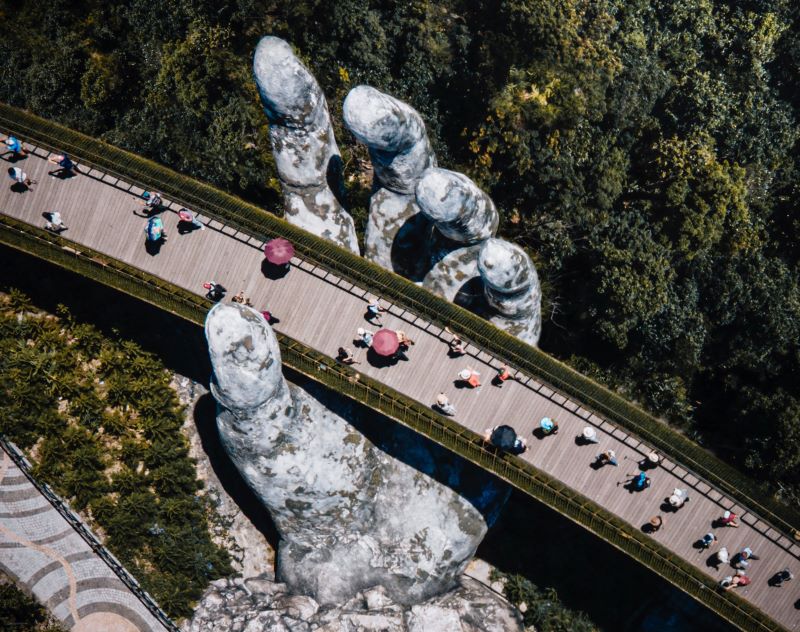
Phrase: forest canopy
[644,152]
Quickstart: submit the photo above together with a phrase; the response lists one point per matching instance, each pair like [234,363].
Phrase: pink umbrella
[385,342]
[279,251]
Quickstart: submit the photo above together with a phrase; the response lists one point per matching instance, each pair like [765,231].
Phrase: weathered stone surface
[511,287]
[470,607]
[400,152]
[458,208]
[350,517]
[463,217]
[306,155]
[398,236]
[395,135]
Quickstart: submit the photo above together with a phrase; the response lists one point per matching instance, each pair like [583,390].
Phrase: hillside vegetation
[102,426]
[645,152]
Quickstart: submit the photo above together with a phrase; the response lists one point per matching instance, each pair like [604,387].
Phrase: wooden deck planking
[325,315]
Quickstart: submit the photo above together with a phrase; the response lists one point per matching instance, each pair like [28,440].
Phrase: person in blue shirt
[66,166]
[15,147]
[155,229]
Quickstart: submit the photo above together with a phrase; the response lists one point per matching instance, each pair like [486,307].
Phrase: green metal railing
[410,413]
[758,497]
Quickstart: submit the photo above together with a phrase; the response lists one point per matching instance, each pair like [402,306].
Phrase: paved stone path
[44,554]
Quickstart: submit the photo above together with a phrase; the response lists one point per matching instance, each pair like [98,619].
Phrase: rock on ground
[258,604]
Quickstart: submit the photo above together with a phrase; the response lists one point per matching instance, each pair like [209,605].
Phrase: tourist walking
[505,438]
[457,346]
[374,311]
[708,540]
[732,581]
[215,291]
[152,201]
[678,498]
[548,426]
[20,177]
[364,337]
[470,377]
[729,519]
[609,456]
[155,230]
[781,577]
[55,223]
[345,356]
[656,522]
[638,482]
[443,404]
[650,461]
[189,221]
[503,374]
[722,555]
[66,166]
[743,557]
[588,435]
[14,146]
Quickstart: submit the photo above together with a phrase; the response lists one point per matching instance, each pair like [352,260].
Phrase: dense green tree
[645,153]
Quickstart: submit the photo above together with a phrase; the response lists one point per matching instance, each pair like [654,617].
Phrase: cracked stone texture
[511,287]
[350,517]
[257,604]
[306,155]
[396,237]
[463,216]
[456,206]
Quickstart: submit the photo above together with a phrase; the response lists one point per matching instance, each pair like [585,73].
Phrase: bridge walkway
[323,311]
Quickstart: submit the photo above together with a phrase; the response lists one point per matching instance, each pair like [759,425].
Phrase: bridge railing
[440,429]
[758,497]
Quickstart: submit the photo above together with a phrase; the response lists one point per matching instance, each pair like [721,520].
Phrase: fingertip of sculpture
[381,121]
[505,267]
[289,92]
[245,355]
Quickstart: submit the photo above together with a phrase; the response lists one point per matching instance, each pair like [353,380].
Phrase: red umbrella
[279,251]
[385,342]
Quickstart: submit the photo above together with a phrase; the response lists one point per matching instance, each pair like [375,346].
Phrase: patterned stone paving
[44,554]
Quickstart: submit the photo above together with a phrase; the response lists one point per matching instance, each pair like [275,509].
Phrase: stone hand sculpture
[350,516]
[397,236]
[511,288]
[463,217]
[306,155]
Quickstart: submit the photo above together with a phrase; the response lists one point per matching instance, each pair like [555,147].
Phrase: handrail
[90,538]
[418,417]
[758,497]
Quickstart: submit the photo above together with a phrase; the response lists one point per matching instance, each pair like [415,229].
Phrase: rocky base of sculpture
[257,604]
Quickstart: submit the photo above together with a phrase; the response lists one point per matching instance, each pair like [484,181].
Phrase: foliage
[541,608]
[20,613]
[644,152]
[102,426]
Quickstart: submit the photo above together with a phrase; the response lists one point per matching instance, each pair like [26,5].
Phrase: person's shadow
[153,247]
[274,272]
[378,361]
[13,157]
[185,227]
[63,174]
